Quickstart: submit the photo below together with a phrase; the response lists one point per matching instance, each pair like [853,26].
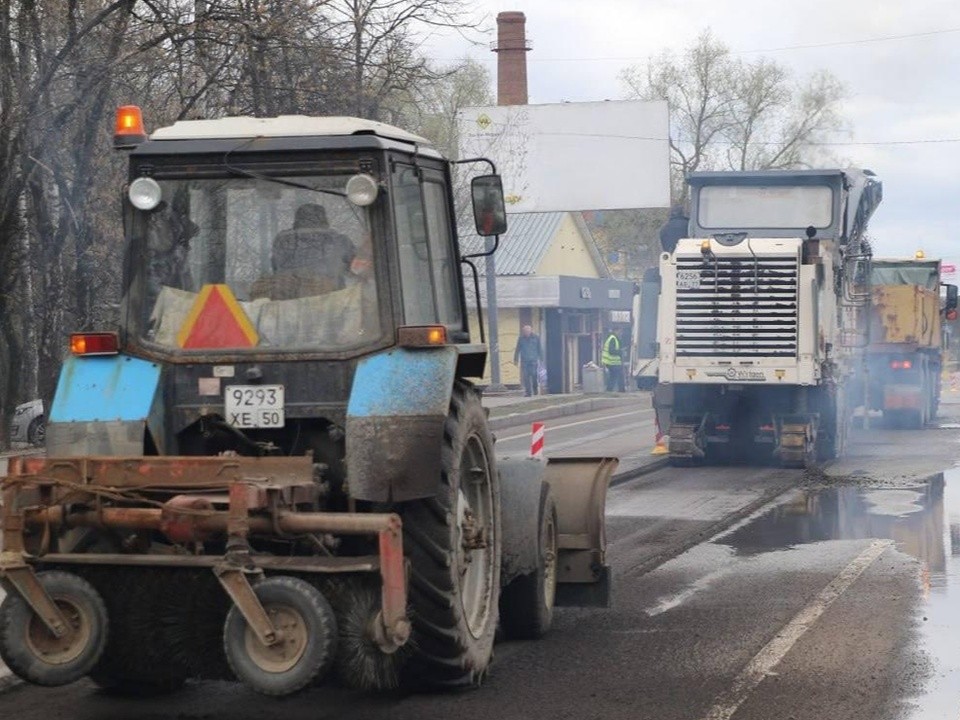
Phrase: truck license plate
[688,279]
[254,406]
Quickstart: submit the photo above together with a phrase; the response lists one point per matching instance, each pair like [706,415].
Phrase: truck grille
[737,307]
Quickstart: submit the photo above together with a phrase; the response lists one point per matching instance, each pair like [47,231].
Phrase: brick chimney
[511,49]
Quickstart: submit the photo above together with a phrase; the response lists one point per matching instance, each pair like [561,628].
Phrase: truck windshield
[750,206]
[286,267]
[922,274]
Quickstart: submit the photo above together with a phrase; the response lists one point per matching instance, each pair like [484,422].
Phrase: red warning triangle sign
[216,320]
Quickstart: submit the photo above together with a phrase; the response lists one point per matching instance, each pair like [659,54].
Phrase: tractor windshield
[255,263]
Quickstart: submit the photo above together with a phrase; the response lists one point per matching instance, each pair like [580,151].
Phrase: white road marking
[669,602]
[549,427]
[774,651]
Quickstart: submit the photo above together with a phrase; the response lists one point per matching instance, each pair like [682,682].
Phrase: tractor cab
[287,237]
[265,259]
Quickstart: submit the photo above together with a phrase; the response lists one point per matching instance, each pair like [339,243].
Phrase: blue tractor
[277,468]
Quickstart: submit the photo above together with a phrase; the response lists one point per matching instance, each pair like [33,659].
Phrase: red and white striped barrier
[536,440]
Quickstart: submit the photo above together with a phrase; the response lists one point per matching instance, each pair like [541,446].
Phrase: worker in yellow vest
[612,362]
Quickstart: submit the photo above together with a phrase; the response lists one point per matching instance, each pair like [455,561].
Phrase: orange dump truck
[904,357]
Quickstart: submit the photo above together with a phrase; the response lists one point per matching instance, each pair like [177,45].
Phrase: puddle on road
[923,520]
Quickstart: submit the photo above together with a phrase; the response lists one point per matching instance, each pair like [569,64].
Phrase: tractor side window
[444,264]
[427,271]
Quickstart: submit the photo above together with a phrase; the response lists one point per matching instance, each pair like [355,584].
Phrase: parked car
[28,424]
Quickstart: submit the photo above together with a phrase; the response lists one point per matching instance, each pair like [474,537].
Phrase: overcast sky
[904,89]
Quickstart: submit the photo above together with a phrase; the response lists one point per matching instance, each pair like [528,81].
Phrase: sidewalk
[514,410]
[510,410]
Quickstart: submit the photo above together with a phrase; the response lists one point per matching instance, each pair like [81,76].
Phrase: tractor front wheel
[37,655]
[306,645]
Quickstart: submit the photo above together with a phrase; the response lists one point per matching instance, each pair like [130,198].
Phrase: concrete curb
[572,408]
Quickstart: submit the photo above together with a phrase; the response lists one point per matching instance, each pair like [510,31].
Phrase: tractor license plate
[254,406]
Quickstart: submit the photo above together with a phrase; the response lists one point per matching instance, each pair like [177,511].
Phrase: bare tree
[64,66]
[380,41]
[55,60]
[437,105]
[728,113]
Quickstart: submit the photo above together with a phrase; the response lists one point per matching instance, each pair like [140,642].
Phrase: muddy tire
[526,604]
[34,653]
[453,544]
[306,650]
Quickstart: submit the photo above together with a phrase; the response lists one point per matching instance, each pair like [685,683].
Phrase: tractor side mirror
[951,298]
[489,210]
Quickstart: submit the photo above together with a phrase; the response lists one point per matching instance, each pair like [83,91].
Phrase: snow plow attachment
[579,488]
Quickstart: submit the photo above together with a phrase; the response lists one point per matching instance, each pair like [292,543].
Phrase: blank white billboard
[574,156]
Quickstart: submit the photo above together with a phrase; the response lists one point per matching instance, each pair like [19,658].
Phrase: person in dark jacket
[529,355]
[312,252]
[675,228]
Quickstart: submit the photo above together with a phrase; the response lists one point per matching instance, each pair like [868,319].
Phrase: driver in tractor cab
[310,258]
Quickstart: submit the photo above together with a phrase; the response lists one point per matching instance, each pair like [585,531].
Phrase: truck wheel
[306,649]
[37,431]
[453,543]
[34,653]
[526,604]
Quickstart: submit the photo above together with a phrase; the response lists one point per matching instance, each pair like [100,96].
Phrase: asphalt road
[740,592]
[627,433]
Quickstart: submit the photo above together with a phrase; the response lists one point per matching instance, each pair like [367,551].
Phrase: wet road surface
[821,596]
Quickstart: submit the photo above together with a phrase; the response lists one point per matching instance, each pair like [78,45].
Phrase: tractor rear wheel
[34,653]
[453,544]
[526,604]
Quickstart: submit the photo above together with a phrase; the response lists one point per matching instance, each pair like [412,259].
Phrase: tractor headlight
[362,190]
[145,193]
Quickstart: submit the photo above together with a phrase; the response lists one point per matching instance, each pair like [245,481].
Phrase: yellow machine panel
[905,314]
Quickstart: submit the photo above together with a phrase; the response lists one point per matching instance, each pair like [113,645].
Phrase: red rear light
[98,343]
[901,364]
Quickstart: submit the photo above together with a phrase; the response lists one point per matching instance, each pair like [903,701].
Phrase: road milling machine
[277,469]
[763,315]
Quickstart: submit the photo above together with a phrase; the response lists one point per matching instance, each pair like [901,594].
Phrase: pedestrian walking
[529,355]
[612,362]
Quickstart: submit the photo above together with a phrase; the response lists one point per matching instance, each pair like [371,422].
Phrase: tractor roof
[283,126]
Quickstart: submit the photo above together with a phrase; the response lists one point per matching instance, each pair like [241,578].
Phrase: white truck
[762,315]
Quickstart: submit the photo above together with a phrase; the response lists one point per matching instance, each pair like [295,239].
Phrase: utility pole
[493,334]
[511,48]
